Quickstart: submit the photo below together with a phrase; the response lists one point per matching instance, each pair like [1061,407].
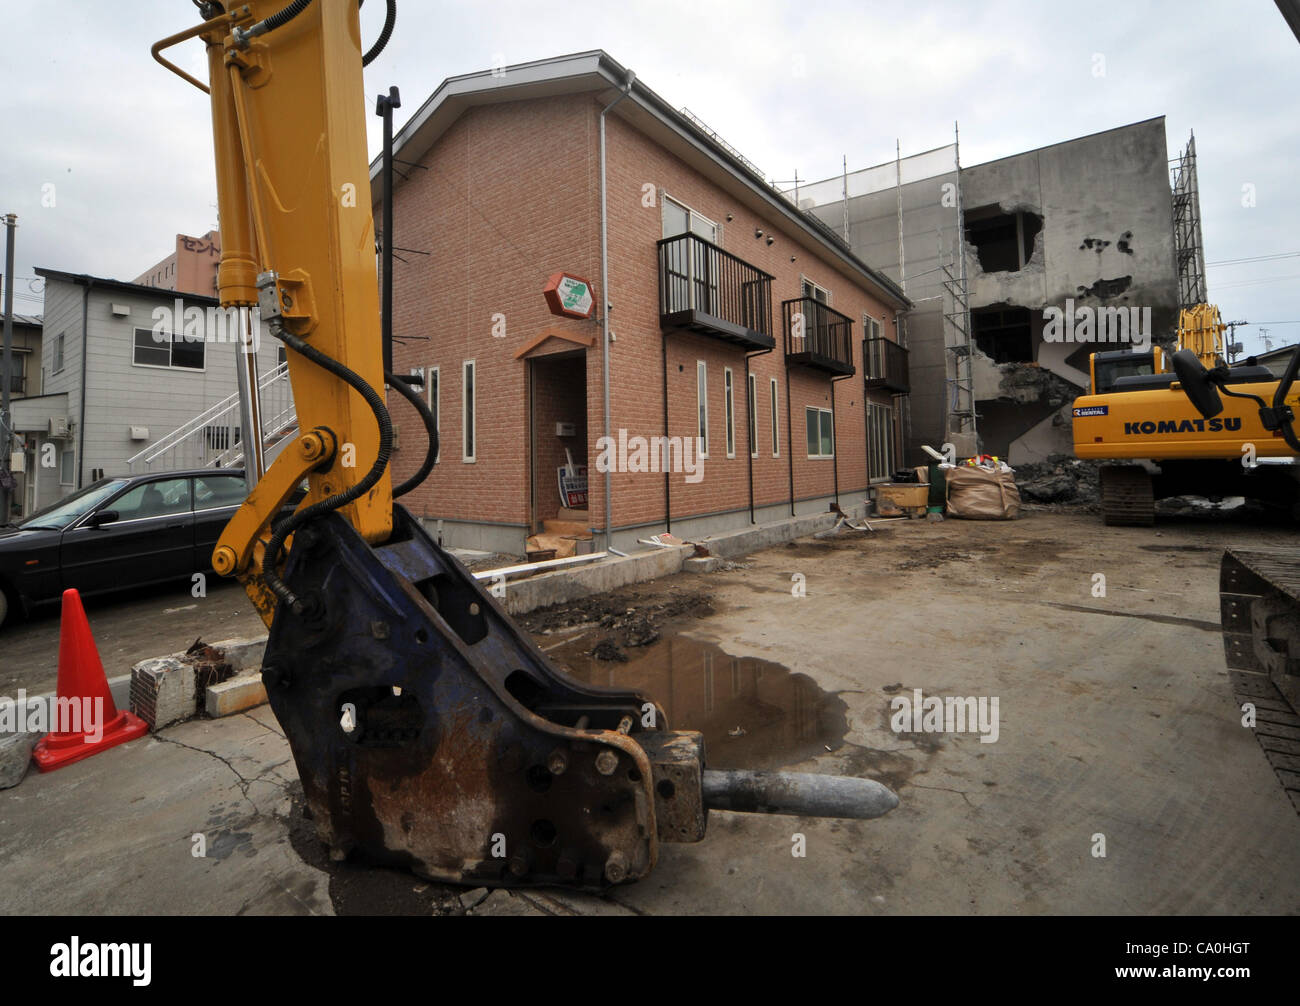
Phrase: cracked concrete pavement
[1117,720]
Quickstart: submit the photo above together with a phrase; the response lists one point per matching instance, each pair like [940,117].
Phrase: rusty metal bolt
[557,761]
[616,867]
[520,862]
[606,762]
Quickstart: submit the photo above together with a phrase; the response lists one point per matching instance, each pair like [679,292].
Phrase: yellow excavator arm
[298,244]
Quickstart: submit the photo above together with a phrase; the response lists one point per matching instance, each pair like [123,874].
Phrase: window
[776,424]
[58,353]
[68,466]
[153,499]
[751,399]
[691,268]
[1004,334]
[821,432]
[728,388]
[874,357]
[213,491]
[435,405]
[468,408]
[880,442]
[1004,242]
[221,437]
[681,219]
[167,350]
[702,406]
[817,328]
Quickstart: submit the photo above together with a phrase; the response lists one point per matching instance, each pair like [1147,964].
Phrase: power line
[1255,258]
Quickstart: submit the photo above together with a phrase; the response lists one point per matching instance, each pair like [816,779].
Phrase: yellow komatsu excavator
[1137,416]
[427,729]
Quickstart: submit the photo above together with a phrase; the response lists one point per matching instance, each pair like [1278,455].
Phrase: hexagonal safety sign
[569,296]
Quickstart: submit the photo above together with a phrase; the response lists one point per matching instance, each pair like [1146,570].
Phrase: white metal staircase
[213,439]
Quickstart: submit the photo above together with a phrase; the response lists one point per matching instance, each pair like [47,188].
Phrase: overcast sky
[793,84]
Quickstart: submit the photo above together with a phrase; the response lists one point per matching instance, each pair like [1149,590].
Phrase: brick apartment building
[733,316]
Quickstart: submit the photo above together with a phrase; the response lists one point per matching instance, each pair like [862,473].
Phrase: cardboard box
[902,495]
[923,474]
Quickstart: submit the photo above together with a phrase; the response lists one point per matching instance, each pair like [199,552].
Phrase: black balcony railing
[885,365]
[817,336]
[708,290]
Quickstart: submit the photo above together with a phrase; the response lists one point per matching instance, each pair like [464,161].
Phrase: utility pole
[6,368]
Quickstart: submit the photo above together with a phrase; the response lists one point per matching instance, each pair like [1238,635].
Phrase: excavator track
[1259,597]
[1127,496]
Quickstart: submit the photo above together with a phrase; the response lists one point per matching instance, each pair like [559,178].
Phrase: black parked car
[118,533]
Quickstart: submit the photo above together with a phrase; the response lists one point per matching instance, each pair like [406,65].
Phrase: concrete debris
[1059,479]
[15,757]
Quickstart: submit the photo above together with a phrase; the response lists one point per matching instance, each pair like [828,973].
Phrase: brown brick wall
[510,196]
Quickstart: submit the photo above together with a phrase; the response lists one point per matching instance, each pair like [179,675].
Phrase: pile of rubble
[1062,478]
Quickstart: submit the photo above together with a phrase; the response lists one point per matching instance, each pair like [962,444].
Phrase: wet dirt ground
[1119,778]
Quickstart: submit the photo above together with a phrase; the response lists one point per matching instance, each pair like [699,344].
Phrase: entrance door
[557,396]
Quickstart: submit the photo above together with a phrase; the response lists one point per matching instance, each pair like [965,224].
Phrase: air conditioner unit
[59,427]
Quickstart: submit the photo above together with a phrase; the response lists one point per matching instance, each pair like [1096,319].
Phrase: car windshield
[68,509]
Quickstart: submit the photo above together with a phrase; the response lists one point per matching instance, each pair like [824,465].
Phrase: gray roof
[83,279]
[597,71]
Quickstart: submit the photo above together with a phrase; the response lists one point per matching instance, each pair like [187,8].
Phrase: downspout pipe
[750,429]
[668,497]
[81,419]
[604,293]
[835,432]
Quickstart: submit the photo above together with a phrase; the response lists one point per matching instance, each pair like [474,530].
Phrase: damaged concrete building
[1088,223]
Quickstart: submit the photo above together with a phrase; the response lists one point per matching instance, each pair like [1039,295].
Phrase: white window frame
[68,452]
[468,411]
[729,405]
[805,281]
[776,420]
[702,407]
[820,412]
[434,402]
[691,215]
[751,392]
[880,442]
[171,341]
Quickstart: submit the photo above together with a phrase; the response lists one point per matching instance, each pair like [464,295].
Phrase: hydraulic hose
[390,19]
[354,380]
[277,20]
[430,427]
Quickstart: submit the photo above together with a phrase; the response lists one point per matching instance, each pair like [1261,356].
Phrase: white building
[123,366]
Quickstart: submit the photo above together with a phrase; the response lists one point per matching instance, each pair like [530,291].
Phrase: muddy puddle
[753,713]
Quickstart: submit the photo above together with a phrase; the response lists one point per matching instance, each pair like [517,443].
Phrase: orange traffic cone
[85,719]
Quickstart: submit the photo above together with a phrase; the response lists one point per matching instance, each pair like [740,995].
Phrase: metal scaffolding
[956,317]
[1189,251]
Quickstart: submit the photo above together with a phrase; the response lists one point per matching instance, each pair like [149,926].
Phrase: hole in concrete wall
[1003,241]
[1004,334]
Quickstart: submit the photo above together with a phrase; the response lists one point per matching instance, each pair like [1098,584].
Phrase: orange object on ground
[86,720]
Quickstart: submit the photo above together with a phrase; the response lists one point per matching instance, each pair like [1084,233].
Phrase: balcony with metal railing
[885,365]
[818,336]
[707,290]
